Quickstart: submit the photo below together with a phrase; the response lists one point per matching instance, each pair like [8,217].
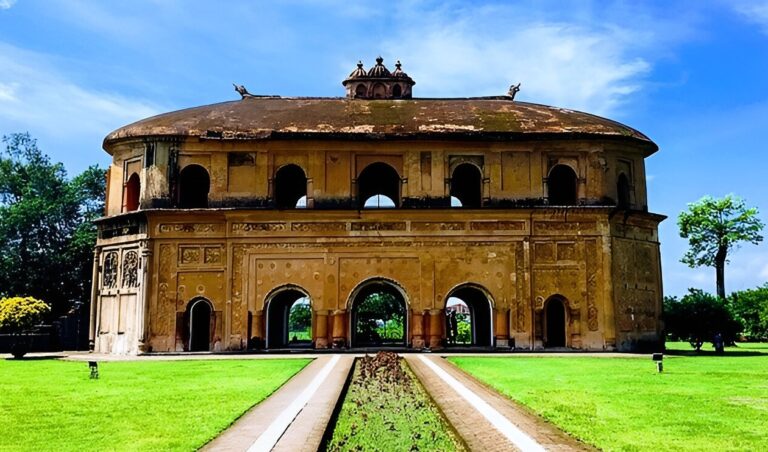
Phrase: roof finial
[379,60]
[242,91]
[360,64]
[398,65]
[513,89]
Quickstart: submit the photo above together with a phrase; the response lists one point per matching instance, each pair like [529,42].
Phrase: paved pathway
[296,416]
[486,420]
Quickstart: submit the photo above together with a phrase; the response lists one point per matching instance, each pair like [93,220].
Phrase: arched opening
[290,186]
[562,186]
[455,202]
[378,180]
[302,202]
[360,90]
[467,185]
[200,325]
[194,185]
[378,316]
[622,190]
[379,91]
[468,317]
[289,319]
[131,193]
[397,91]
[554,323]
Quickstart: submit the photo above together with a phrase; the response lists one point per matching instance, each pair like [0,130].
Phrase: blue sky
[691,75]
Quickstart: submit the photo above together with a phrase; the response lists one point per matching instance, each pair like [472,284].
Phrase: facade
[220,217]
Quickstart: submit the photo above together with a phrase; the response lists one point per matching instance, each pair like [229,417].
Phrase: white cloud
[7,4]
[484,51]
[36,96]
[755,12]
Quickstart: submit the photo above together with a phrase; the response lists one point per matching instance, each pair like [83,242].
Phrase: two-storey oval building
[528,220]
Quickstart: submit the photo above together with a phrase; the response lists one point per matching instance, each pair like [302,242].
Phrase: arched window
[290,186]
[199,314]
[378,186]
[131,193]
[194,184]
[622,190]
[379,91]
[289,318]
[467,185]
[360,90]
[397,91]
[561,186]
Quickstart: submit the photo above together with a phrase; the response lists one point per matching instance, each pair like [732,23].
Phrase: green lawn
[163,405]
[698,403]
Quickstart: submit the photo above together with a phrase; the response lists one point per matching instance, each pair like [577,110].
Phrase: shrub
[751,308]
[19,314]
[698,317]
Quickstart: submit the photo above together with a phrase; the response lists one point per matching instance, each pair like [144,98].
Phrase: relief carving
[379,226]
[318,226]
[520,270]
[189,255]
[109,280]
[566,251]
[212,255]
[258,227]
[573,227]
[131,269]
[444,226]
[497,225]
[166,306]
[591,258]
[189,227]
[544,252]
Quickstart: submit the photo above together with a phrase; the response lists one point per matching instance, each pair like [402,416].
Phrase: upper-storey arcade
[331,153]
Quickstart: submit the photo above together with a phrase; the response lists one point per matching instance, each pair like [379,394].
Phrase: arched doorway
[289,318]
[467,185]
[132,192]
[200,325]
[290,186]
[380,182]
[379,315]
[468,317]
[562,186]
[194,185]
[622,191]
[554,323]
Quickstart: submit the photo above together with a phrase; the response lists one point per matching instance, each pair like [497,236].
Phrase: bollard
[94,367]
[658,358]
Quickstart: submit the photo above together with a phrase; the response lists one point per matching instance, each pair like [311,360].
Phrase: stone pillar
[95,280]
[417,330]
[321,329]
[142,305]
[257,328]
[436,323]
[339,328]
[501,327]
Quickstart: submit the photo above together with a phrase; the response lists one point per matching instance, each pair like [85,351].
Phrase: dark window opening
[468,317]
[381,182]
[467,185]
[200,326]
[379,91]
[289,320]
[622,189]
[290,186]
[360,91]
[194,185]
[555,323]
[378,316]
[562,186]
[131,193]
[149,155]
[397,91]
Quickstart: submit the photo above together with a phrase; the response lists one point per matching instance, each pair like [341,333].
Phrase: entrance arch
[194,185]
[200,311]
[289,318]
[379,315]
[468,311]
[555,322]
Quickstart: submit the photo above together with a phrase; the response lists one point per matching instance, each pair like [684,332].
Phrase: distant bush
[751,308]
[698,316]
[19,315]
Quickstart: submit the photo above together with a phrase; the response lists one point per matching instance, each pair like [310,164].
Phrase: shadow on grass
[730,352]
[33,358]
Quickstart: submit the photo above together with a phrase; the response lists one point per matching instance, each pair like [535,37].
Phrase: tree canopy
[698,316]
[751,308]
[46,230]
[714,227]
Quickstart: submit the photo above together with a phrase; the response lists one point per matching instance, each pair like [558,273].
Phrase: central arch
[379,315]
[289,318]
[469,319]
[467,185]
[290,186]
[555,322]
[194,185]
[562,186]
[378,186]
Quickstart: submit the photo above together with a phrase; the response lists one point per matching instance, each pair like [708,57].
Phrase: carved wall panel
[130,269]
[109,272]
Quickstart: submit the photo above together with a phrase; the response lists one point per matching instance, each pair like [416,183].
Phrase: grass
[390,412]
[139,405]
[703,402]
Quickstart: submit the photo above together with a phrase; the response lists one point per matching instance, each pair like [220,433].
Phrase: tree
[300,320]
[698,317]
[751,308]
[46,230]
[18,315]
[713,228]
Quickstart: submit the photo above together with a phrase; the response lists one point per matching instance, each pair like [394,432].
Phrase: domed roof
[379,71]
[398,72]
[484,118]
[359,72]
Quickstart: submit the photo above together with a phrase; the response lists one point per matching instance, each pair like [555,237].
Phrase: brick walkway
[478,430]
[274,425]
